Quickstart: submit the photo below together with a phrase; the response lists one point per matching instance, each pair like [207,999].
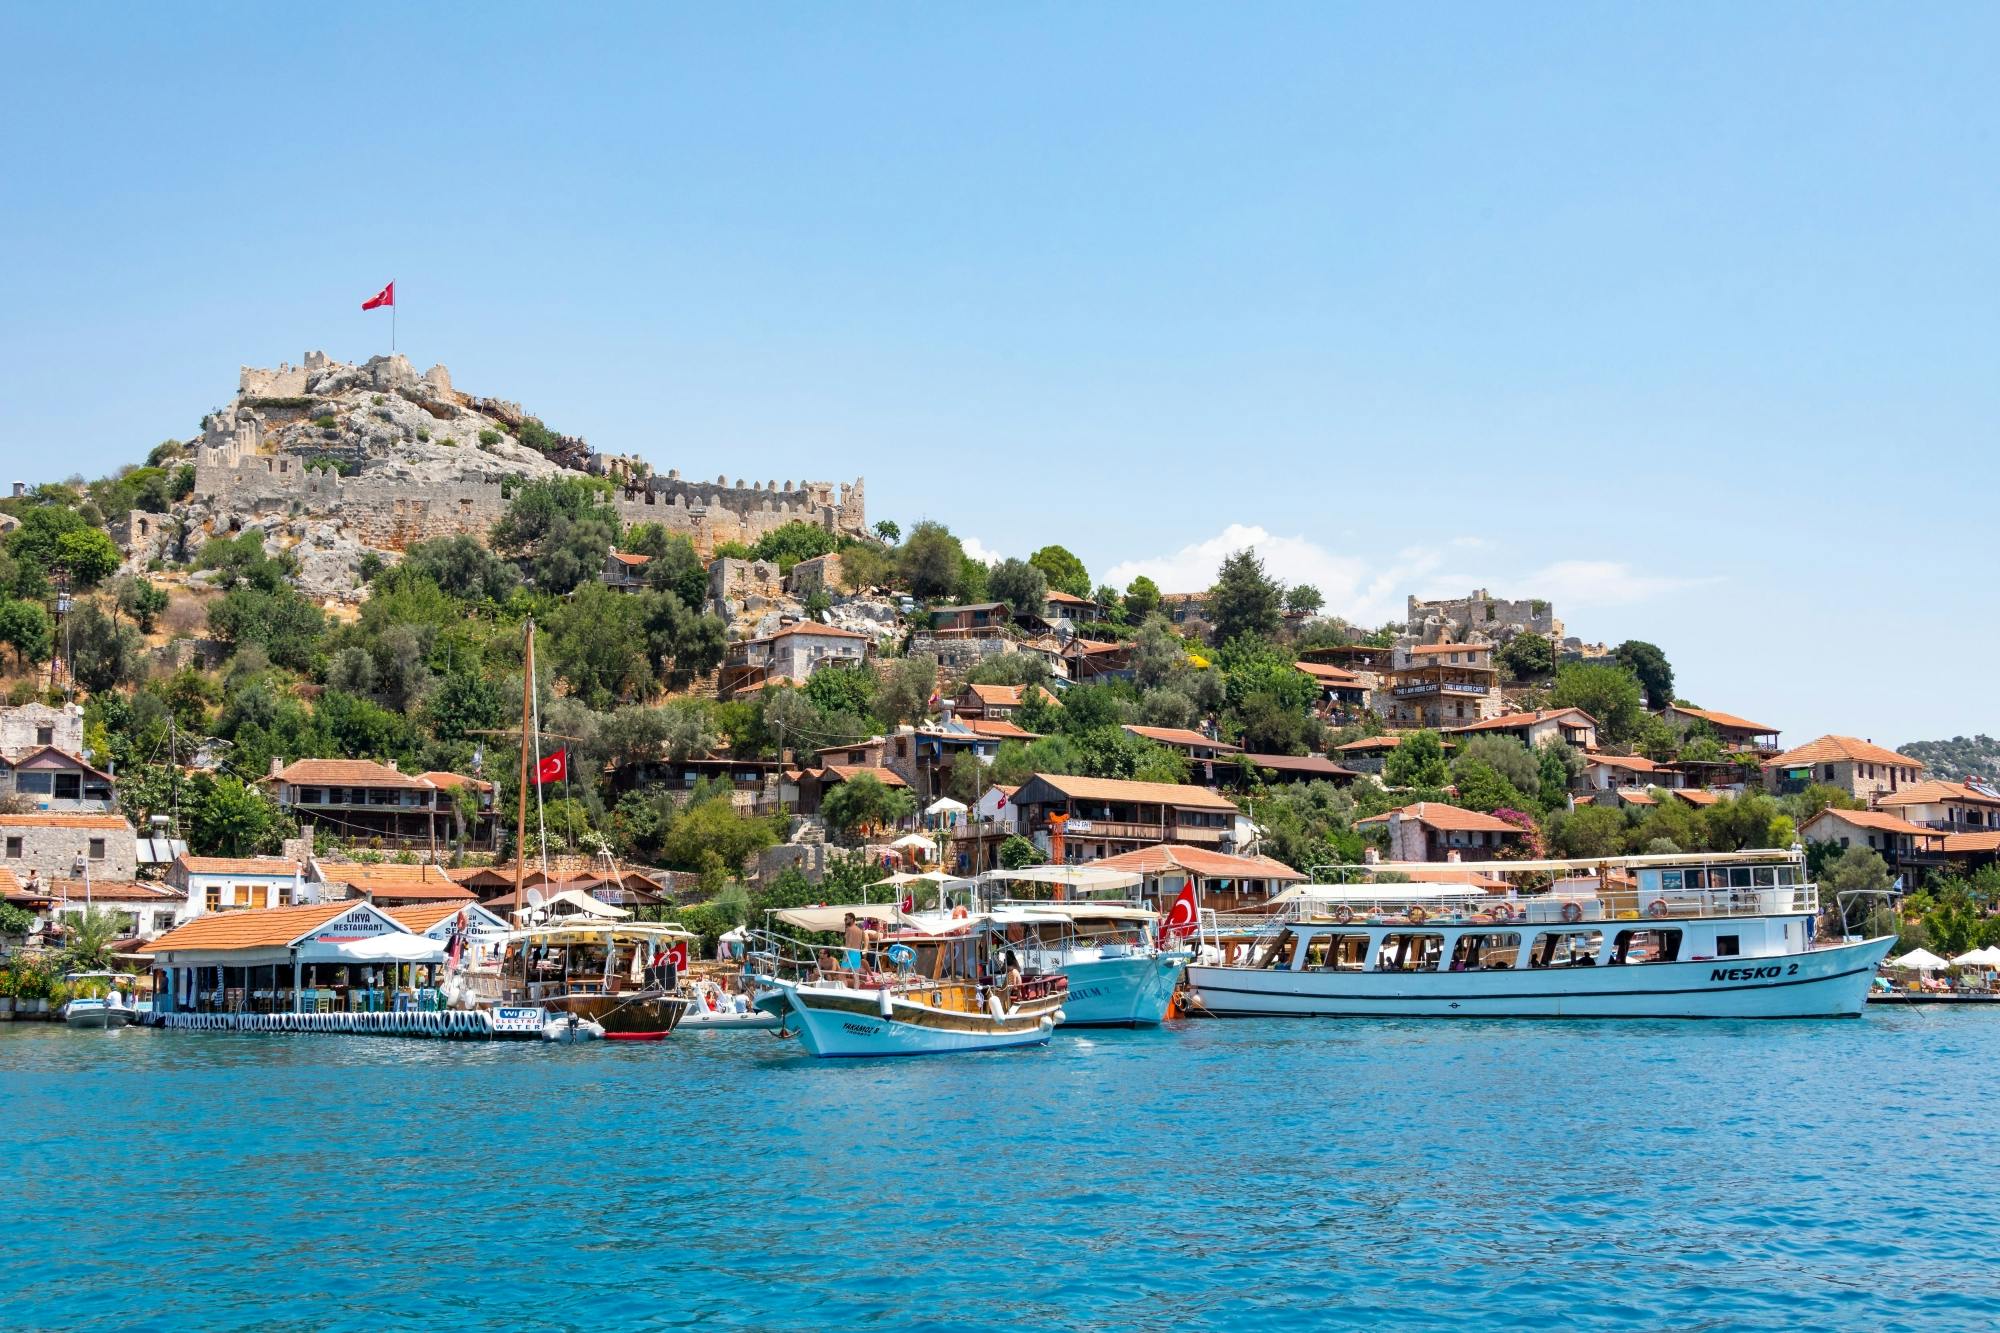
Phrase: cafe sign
[356,924]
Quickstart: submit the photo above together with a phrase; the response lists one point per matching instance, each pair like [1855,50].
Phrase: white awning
[1987,957]
[1919,960]
[1376,893]
[1084,879]
[944,805]
[389,947]
[835,917]
[917,842]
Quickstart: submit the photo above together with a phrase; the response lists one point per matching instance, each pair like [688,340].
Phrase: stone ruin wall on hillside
[239,482]
[1493,618]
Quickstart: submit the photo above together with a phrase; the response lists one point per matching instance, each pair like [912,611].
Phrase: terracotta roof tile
[43,820]
[1726,721]
[1841,749]
[1959,844]
[236,865]
[448,781]
[269,927]
[997,728]
[1435,649]
[1880,820]
[1120,789]
[1520,721]
[344,773]
[1936,791]
[1183,737]
[113,891]
[1451,818]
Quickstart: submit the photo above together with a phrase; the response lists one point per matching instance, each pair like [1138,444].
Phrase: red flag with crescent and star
[387,296]
[1184,918]
[677,954]
[552,768]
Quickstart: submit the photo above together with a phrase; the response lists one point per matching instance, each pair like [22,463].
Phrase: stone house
[57,781]
[1343,695]
[975,618]
[923,756]
[29,727]
[1737,734]
[1441,685]
[49,845]
[1905,846]
[791,654]
[143,910]
[1433,831]
[359,800]
[1860,767]
[820,573]
[996,703]
[1572,726]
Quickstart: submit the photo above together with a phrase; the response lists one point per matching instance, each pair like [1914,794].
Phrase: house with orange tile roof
[997,702]
[1608,772]
[1434,831]
[360,801]
[1211,762]
[284,959]
[51,845]
[1572,726]
[1905,846]
[389,883]
[1860,767]
[1954,807]
[1093,818]
[624,571]
[237,884]
[1343,695]
[475,820]
[1736,734]
[25,728]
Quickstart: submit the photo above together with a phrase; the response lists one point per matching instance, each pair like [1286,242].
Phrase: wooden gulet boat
[917,991]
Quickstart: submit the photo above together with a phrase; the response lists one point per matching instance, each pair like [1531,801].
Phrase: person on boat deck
[1011,986]
[829,966]
[857,939]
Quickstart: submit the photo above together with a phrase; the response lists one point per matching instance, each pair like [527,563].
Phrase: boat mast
[521,814]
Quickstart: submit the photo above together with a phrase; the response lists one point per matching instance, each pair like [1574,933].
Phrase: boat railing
[1556,906]
[773,955]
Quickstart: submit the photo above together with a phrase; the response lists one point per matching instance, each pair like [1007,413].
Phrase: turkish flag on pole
[552,768]
[1184,918]
[387,296]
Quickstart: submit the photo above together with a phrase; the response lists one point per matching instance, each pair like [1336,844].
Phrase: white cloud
[1582,584]
[977,550]
[1369,590]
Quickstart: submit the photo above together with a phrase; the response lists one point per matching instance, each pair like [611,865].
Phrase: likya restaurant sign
[359,923]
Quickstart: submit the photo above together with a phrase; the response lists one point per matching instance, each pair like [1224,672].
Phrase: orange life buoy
[1656,908]
[1418,916]
[959,914]
[1343,914]
[1502,912]
[1572,912]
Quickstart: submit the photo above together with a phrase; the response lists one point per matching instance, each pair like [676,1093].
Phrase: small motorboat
[109,1010]
[712,1009]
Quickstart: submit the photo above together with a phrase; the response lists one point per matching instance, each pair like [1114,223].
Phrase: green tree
[711,836]
[597,645]
[843,689]
[1608,693]
[1244,600]
[282,622]
[88,555]
[103,654]
[1650,667]
[1017,853]
[1303,599]
[1556,767]
[889,531]
[26,629]
[865,802]
[905,690]
[1417,761]
[676,568]
[1481,786]
[1024,587]
[930,560]
[1065,572]
[227,818]
[1588,831]
[463,568]
[1527,657]
[1142,599]
[87,939]
[1858,870]
[143,600]
[795,541]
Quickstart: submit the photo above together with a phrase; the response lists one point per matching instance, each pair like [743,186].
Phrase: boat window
[1670,881]
[1409,952]
[1728,946]
[1766,876]
[1485,953]
[1645,946]
[1566,948]
[1277,954]
[1788,874]
[1328,952]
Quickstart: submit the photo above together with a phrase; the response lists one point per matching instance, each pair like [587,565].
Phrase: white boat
[1728,935]
[99,1011]
[1117,976]
[923,990]
[712,1009]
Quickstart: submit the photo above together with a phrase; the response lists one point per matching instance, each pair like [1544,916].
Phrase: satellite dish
[535,899]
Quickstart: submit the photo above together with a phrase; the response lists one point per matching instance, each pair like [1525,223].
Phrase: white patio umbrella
[1919,960]
[1987,957]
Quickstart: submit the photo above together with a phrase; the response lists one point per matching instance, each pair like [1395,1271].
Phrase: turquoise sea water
[1255,1174]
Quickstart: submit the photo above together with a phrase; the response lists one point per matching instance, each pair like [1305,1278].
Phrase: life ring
[1572,912]
[1418,916]
[1657,907]
[959,914]
[1343,914]
[1502,912]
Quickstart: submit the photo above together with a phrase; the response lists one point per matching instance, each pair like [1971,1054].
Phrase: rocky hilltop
[333,460]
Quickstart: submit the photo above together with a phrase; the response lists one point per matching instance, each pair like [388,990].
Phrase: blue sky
[1681,316]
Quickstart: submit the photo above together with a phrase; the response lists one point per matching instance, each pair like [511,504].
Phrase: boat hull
[1126,992]
[847,1024]
[625,1017]
[1823,983]
[95,1016]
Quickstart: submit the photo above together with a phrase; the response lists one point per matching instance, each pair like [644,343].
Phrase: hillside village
[282,660]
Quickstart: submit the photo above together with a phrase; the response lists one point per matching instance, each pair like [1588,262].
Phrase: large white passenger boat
[1729,935]
[1119,976]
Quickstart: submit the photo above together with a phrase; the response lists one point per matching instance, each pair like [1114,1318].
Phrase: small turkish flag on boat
[1184,918]
[552,768]
[677,954]
[387,296]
